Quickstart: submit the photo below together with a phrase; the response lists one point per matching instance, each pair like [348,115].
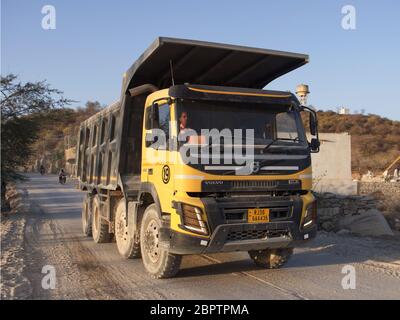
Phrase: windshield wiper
[297,139]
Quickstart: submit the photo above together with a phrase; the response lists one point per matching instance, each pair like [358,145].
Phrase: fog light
[311,215]
[192,219]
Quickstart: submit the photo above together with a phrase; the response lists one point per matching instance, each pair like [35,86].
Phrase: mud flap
[131,218]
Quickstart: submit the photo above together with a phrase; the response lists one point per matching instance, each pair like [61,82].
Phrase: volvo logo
[214,182]
[166,174]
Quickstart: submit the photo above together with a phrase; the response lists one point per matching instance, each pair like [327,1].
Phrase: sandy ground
[50,234]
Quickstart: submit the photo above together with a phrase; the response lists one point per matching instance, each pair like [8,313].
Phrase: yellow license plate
[258,215]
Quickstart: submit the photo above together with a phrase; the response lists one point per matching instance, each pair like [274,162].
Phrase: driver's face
[183,119]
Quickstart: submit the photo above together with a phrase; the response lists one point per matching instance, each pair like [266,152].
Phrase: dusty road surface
[85,270]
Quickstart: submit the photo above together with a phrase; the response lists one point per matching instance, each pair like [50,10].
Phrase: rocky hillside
[375,140]
[58,131]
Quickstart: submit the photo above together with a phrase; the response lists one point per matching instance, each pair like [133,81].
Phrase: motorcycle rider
[61,175]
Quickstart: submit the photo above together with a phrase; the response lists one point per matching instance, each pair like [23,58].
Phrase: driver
[183,121]
[185,130]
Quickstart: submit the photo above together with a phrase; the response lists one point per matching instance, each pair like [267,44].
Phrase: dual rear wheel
[92,222]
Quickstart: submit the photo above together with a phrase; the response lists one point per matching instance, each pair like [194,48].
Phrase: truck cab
[196,157]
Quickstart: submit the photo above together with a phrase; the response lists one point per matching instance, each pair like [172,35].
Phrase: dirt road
[85,270]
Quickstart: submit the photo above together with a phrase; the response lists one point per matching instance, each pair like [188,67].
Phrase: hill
[58,131]
[374,139]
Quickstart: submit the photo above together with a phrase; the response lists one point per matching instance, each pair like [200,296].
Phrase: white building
[343,110]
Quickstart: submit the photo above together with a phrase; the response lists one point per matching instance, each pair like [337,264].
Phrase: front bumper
[180,243]
[228,236]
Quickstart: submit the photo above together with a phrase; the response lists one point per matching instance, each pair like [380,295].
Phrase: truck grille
[254,184]
[256,234]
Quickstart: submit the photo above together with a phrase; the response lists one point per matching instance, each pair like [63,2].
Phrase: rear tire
[127,240]
[271,258]
[157,261]
[99,225]
[86,217]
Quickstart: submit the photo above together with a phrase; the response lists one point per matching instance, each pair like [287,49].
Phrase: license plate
[257,215]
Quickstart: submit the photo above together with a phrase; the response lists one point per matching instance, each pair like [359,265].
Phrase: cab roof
[208,63]
[243,95]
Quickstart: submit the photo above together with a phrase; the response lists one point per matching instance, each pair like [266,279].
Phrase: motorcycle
[62,178]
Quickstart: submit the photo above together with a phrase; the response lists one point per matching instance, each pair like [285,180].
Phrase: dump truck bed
[208,63]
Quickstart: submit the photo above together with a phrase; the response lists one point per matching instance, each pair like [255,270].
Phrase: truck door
[157,169]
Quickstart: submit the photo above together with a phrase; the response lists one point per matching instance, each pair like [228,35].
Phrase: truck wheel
[99,225]
[127,242]
[157,261]
[86,217]
[271,258]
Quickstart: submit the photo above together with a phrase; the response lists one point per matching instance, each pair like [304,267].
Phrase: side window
[286,126]
[163,119]
[162,122]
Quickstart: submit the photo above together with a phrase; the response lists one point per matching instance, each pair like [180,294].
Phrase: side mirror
[154,116]
[313,124]
[150,139]
[314,145]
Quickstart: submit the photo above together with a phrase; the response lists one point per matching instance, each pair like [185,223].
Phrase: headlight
[193,219]
[310,216]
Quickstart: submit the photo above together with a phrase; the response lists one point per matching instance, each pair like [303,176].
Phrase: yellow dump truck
[196,157]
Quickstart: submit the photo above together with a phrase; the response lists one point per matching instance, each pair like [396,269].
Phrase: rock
[361,211]
[349,212]
[343,232]
[328,226]
[371,223]
[369,198]
[328,212]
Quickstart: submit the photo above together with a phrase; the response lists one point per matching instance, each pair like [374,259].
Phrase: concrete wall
[332,165]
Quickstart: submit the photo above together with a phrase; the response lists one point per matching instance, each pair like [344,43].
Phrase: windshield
[268,122]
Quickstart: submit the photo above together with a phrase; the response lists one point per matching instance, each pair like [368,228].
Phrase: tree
[24,99]
[22,107]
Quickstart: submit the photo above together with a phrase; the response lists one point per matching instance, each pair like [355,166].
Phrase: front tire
[127,240]
[271,258]
[157,261]
[99,225]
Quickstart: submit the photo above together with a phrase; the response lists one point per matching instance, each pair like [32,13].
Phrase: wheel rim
[121,231]
[151,244]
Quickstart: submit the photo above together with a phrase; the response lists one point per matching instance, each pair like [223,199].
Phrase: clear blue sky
[96,41]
